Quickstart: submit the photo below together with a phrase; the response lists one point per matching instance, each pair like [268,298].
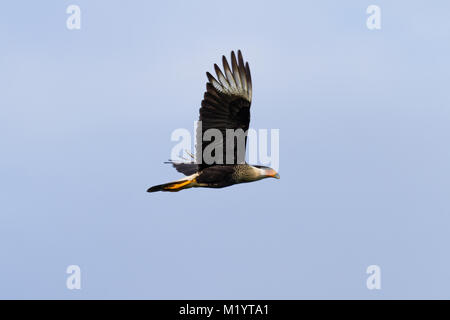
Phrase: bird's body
[225,107]
[218,176]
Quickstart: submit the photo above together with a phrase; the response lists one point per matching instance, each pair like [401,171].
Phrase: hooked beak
[274,174]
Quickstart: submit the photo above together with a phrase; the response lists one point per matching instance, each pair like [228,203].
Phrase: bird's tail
[174,186]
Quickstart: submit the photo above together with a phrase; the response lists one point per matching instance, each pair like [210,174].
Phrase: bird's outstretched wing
[226,105]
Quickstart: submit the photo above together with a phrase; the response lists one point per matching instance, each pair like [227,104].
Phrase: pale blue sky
[85,124]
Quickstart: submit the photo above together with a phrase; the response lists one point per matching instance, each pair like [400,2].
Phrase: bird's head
[267,172]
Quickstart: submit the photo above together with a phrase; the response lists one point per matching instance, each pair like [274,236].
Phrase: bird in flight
[224,116]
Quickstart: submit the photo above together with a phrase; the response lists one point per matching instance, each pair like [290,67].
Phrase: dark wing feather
[186,168]
[226,105]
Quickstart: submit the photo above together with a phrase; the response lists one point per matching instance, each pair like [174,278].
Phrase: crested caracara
[224,113]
